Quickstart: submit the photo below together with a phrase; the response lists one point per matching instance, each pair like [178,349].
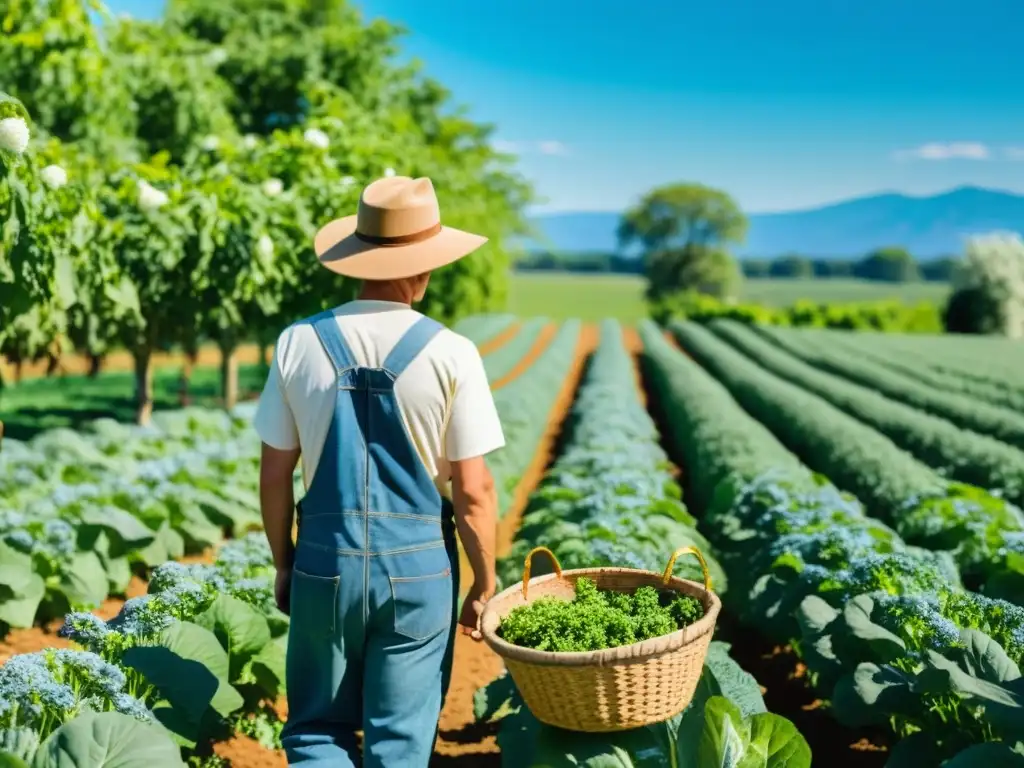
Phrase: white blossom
[14,134]
[272,187]
[210,143]
[317,138]
[151,198]
[216,57]
[994,265]
[250,141]
[265,248]
[389,172]
[54,176]
[347,182]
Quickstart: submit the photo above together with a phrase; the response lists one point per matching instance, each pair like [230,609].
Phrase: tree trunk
[191,357]
[143,385]
[229,373]
[18,370]
[52,363]
[95,365]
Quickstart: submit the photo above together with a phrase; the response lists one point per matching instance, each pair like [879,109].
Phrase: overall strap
[411,344]
[326,327]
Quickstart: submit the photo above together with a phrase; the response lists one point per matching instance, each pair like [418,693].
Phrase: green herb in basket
[596,619]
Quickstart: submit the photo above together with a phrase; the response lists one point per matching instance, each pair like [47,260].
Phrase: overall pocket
[314,604]
[423,604]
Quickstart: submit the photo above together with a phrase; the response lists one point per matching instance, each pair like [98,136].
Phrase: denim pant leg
[404,655]
[324,672]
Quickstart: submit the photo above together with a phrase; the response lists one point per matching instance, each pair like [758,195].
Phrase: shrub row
[979,529]
[882,626]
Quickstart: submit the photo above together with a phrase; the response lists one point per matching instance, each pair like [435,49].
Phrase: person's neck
[384,293]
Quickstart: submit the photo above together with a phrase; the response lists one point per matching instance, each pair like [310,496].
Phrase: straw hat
[396,233]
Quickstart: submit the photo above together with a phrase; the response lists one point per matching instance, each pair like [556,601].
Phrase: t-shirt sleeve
[274,422]
[474,428]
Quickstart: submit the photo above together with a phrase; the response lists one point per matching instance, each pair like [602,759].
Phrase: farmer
[385,407]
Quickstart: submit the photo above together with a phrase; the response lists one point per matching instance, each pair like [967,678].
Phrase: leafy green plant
[596,619]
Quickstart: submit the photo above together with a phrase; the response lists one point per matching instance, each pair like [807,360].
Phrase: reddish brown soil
[77,365]
[547,333]
[496,342]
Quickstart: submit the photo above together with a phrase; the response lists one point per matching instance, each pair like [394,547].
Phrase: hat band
[415,237]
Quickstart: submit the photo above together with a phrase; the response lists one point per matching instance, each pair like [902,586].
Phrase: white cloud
[545,147]
[551,147]
[951,150]
[1014,153]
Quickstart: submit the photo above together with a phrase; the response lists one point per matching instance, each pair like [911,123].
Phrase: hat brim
[340,251]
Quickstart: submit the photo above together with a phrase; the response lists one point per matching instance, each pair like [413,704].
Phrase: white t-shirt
[444,396]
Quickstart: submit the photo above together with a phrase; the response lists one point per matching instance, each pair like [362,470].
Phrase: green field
[778,292]
[592,297]
[560,295]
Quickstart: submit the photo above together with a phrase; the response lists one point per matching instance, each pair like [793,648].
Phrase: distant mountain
[926,226]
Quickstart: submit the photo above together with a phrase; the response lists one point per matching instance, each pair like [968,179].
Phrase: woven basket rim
[621,654]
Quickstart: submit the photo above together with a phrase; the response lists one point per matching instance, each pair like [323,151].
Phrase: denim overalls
[375,580]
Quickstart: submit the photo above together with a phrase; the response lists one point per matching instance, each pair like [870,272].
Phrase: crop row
[609,500]
[915,367]
[524,405]
[964,411]
[980,531]
[78,511]
[482,328]
[502,360]
[987,359]
[955,453]
[888,634]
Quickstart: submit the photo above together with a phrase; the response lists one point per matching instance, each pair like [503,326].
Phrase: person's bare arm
[476,518]
[277,502]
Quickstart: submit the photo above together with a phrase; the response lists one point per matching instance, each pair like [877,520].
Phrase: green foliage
[596,619]
[891,265]
[887,316]
[683,231]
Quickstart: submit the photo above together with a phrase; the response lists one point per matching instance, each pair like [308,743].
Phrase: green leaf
[84,582]
[125,531]
[879,644]
[107,740]
[190,670]
[7,760]
[873,693]
[268,667]
[725,736]
[914,751]
[21,589]
[240,628]
[983,657]
[776,743]
[990,755]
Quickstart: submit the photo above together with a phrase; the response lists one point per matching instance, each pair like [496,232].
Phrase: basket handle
[687,551]
[529,560]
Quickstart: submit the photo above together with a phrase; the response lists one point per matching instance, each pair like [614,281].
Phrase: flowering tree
[988,288]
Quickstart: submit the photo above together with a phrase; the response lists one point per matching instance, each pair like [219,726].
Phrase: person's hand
[472,609]
[283,589]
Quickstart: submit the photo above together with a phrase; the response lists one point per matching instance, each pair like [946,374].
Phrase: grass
[70,401]
[561,295]
[777,292]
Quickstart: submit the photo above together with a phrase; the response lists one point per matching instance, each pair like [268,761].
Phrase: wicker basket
[617,688]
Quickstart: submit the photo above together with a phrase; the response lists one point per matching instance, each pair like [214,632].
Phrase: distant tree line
[885,264]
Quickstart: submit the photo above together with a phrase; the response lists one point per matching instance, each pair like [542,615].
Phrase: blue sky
[784,104]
